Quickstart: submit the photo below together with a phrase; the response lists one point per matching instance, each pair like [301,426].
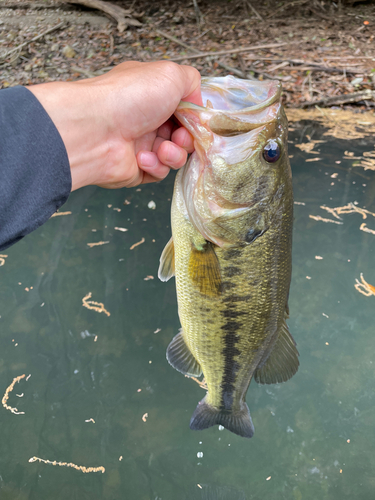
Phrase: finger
[192,91]
[172,155]
[182,138]
[145,143]
[165,130]
[151,165]
[157,143]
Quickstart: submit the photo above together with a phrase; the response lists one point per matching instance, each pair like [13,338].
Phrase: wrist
[74,111]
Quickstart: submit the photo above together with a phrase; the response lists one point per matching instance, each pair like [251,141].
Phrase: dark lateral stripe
[232,254]
[232,271]
[232,313]
[231,367]
[226,285]
[237,298]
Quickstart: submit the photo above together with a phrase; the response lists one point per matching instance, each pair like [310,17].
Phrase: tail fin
[206,416]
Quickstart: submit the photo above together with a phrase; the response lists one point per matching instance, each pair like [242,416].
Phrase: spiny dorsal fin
[181,358]
[282,363]
[204,270]
[166,267]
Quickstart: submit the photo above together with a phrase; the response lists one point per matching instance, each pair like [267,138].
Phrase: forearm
[35,175]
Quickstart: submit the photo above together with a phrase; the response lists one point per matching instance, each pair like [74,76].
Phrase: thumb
[192,91]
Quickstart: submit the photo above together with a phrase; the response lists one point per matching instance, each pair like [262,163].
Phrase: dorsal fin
[166,267]
[282,363]
[181,358]
[204,270]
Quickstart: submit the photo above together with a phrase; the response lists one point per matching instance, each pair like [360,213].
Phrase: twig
[82,468]
[290,4]
[95,306]
[364,287]
[199,54]
[97,244]
[34,39]
[84,72]
[323,69]
[363,227]
[223,52]
[319,14]
[198,14]
[343,99]
[318,217]
[137,244]
[278,66]
[215,54]
[242,64]
[6,396]
[255,12]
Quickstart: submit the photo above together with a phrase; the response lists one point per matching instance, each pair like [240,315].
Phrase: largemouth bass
[230,251]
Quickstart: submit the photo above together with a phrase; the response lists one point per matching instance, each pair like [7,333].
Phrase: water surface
[314,436]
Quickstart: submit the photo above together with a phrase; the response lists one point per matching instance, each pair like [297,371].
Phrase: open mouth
[234,106]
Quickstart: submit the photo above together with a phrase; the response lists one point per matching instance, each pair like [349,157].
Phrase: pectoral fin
[282,363]
[166,267]
[181,358]
[204,270]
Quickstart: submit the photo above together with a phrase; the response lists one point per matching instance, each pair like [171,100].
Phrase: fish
[231,247]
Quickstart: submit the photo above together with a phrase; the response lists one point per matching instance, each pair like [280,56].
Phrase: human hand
[117,128]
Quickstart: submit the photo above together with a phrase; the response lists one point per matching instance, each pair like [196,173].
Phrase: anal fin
[282,363]
[181,358]
[166,267]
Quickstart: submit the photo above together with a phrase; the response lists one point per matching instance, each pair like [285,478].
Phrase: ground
[323,52]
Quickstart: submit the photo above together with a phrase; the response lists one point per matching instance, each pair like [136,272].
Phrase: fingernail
[174,154]
[148,160]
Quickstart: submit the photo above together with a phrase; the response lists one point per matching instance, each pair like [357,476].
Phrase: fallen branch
[34,39]
[120,15]
[215,54]
[365,95]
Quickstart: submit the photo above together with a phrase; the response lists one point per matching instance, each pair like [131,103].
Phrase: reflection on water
[101,393]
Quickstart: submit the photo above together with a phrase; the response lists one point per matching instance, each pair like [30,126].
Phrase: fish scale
[231,248]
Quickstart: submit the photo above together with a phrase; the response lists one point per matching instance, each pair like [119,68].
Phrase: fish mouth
[234,106]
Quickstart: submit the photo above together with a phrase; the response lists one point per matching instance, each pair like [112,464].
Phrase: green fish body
[230,251]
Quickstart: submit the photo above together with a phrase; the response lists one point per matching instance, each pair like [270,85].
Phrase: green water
[112,369]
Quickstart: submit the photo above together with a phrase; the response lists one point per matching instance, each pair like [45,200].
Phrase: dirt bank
[323,52]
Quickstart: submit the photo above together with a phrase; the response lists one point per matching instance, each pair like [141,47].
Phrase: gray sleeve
[35,177]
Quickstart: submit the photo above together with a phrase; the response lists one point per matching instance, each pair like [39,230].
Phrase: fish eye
[271,151]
